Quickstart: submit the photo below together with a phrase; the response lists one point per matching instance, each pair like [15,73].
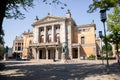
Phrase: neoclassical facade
[50,32]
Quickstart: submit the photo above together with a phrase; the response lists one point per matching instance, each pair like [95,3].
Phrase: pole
[106,46]
[102,52]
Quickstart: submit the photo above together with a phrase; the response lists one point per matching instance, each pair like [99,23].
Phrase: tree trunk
[3,4]
[117,48]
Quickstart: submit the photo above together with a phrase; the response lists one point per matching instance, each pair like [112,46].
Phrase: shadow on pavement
[57,71]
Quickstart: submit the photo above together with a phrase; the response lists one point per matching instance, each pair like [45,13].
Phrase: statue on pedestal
[64,51]
[64,48]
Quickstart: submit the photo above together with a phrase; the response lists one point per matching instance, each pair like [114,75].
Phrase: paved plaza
[41,70]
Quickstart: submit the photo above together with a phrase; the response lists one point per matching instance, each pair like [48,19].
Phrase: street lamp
[103,19]
[101,36]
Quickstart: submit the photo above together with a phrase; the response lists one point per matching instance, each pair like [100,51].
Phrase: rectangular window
[16,48]
[82,40]
[19,48]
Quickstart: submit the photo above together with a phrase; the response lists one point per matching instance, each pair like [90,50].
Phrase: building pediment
[48,19]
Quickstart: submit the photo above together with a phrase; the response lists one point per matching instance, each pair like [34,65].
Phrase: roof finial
[68,14]
[68,11]
[92,22]
[36,18]
[48,14]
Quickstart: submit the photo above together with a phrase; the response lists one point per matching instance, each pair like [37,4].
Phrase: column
[45,33]
[53,32]
[46,53]
[37,54]
[56,54]
[78,52]
[34,53]
[70,52]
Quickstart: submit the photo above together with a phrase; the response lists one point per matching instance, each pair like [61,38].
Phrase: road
[36,70]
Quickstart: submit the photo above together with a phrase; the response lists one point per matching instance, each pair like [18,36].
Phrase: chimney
[68,14]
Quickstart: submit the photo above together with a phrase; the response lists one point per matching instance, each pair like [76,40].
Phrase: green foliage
[91,57]
[109,47]
[106,4]
[113,21]
[58,2]
[1,37]
[113,24]
[13,8]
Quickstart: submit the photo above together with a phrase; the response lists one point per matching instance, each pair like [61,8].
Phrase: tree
[113,24]
[11,9]
[109,48]
[106,4]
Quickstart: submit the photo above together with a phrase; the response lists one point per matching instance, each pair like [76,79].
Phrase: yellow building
[52,32]
[27,40]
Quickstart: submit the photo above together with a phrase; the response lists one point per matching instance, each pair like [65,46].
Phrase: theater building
[50,32]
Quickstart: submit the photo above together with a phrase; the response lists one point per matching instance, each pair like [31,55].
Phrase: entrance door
[75,53]
[40,54]
[48,54]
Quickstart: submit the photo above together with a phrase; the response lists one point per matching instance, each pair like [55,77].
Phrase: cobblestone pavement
[72,70]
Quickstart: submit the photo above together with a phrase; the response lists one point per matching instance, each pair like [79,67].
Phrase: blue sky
[78,9]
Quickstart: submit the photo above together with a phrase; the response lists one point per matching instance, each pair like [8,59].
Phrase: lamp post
[101,51]
[103,19]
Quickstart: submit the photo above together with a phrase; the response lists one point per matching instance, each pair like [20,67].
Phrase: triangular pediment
[48,19]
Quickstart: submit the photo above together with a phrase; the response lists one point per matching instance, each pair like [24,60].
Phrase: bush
[91,57]
[104,58]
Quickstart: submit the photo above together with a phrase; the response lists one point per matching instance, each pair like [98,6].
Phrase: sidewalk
[81,70]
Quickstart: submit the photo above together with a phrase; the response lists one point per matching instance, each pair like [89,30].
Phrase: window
[49,29]
[58,27]
[57,38]
[41,30]
[41,39]
[19,48]
[83,40]
[49,38]
[16,48]
[30,42]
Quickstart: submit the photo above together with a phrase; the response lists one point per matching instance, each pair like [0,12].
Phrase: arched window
[41,38]
[49,38]
[57,38]
[30,42]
